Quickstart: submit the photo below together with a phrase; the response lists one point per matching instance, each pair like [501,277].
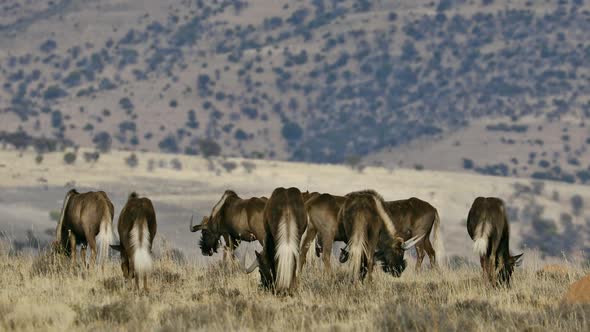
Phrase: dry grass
[219,297]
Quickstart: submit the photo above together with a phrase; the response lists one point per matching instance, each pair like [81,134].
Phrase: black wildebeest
[322,211]
[235,219]
[411,217]
[284,223]
[414,217]
[488,227]
[137,229]
[86,219]
[367,224]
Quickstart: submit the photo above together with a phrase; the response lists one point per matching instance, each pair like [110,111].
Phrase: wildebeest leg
[328,241]
[419,256]
[308,236]
[72,240]
[318,246]
[83,254]
[372,247]
[92,245]
[145,283]
[226,248]
[431,253]
[484,266]
[136,282]
[492,268]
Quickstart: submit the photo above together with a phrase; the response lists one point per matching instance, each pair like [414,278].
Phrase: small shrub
[132,160]
[70,158]
[209,148]
[577,204]
[102,141]
[176,164]
[248,166]
[229,166]
[91,156]
[291,131]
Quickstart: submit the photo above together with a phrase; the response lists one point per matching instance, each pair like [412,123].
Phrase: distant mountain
[321,81]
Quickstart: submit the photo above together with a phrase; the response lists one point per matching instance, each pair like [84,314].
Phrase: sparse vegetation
[186,296]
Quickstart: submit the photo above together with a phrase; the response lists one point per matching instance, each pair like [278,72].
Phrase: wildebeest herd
[285,224]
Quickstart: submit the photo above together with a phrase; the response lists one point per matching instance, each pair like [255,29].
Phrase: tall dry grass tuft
[40,293]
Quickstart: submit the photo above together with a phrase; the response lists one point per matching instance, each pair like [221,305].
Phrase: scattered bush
[132,161]
[54,92]
[577,204]
[91,156]
[229,166]
[102,141]
[176,164]
[70,158]
[209,148]
[291,131]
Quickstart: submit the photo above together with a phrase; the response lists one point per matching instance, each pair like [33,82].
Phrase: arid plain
[190,292]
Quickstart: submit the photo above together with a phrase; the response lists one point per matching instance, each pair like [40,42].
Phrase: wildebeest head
[264,268]
[506,271]
[391,256]
[209,242]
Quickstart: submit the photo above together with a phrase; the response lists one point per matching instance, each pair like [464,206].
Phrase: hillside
[321,81]
[548,219]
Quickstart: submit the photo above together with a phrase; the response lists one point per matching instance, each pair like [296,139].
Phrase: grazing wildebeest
[322,211]
[137,228]
[235,219]
[488,227]
[367,224]
[414,217]
[86,219]
[284,223]
[411,217]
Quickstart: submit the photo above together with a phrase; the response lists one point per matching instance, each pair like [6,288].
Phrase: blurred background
[195,95]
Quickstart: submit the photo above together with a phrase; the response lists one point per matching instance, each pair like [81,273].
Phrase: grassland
[41,293]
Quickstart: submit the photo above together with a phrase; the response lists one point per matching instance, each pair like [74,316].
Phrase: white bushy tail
[438,240]
[287,251]
[482,235]
[104,238]
[357,250]
[140,247]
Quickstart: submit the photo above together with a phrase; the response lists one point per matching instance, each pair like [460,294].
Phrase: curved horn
[195,228]
[411,242]
[252,267]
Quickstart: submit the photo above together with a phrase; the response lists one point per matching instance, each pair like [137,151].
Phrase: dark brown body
[235,219]
[137,228]
[322,211]
[86,218]
[488,226]
[362,226]
[284,224]
[368,225]
[412,217]
[415,217]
